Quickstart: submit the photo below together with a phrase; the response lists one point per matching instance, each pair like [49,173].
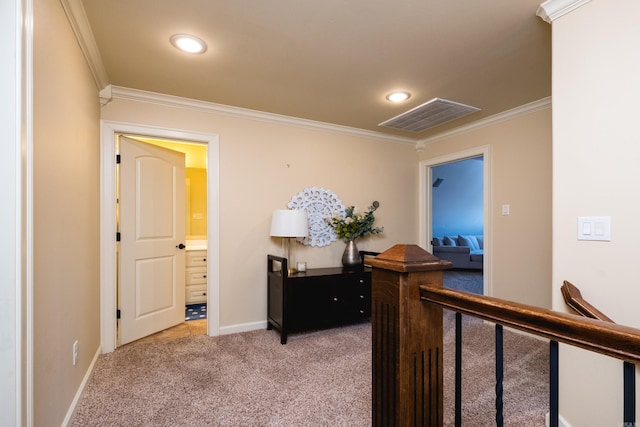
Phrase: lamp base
[291,254]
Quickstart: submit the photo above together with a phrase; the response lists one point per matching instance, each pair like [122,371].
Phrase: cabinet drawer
[362,305]
[196,258]
[195,294]
[318,298]
[350,303]
[196,275]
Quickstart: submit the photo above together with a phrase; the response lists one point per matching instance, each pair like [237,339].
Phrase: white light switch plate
[594,228]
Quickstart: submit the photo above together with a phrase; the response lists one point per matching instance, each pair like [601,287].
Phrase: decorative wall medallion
[320,204]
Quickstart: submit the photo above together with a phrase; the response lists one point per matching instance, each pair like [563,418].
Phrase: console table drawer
[316,298]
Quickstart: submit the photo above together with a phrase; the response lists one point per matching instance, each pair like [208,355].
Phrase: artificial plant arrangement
[354,224]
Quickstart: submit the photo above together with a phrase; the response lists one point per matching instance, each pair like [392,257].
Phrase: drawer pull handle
[204,276]
[204,259]
[361,311]
[335,299]
[361,296]
[361,281]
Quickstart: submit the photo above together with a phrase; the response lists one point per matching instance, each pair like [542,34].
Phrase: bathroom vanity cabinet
[196,276]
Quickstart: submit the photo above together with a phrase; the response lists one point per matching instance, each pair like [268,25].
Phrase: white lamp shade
[289,223]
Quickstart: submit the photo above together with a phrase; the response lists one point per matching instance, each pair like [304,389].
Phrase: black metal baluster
[499,375]
[458,379]
[629,394]
[554,384]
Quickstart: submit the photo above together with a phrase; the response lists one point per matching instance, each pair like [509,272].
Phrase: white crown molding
[80,24]
[551,10]
[531,107]
[106,95]
[111,92]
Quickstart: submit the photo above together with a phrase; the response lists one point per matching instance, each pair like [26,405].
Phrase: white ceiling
[331,60]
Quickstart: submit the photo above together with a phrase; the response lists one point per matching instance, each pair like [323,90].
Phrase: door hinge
[117,313]
[117,236]
[117,159]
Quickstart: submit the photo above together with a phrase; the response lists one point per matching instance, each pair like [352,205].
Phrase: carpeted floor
[526,376]
[248,379]
[320,378]
[464,280]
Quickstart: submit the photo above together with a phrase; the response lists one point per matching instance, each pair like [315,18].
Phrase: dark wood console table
[317,298]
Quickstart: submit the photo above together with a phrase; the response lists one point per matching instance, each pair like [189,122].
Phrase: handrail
[621,342]
[573,298]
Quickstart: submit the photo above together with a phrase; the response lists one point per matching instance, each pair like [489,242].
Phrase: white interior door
[151,291]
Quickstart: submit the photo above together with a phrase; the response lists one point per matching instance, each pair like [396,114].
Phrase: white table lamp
[289,224]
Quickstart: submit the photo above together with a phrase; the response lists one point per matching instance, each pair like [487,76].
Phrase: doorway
[426,214]
[108,222]
[186,286]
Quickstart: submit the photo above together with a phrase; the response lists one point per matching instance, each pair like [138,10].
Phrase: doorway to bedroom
[455,217]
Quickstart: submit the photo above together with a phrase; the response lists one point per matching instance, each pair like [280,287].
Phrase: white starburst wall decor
[319,204]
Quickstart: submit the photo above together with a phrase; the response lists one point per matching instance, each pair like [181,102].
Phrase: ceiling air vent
[428,115]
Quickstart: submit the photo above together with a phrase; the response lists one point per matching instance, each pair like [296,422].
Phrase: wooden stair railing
[588,332]
[573,298]
[610,339]
[407,302]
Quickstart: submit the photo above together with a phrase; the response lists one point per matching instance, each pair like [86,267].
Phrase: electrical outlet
[75,352]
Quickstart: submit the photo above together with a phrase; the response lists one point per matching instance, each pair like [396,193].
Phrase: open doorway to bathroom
[109,131]
[195,227]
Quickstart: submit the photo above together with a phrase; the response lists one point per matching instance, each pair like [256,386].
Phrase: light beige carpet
[321,378]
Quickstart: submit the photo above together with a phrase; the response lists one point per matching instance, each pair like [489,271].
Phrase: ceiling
[331,61]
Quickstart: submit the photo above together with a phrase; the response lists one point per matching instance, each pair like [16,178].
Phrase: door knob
[181,246]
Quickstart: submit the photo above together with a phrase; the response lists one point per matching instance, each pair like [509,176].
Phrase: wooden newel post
[406,338]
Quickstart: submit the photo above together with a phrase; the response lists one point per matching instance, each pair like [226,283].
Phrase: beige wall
[520,175]
[66,214]
[596,65]
[262,166]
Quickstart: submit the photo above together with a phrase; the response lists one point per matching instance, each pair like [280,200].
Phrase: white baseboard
[243,327]
[561,421]
[83,384]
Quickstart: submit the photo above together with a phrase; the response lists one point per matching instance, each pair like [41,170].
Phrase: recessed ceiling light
[398,96]
[188,43]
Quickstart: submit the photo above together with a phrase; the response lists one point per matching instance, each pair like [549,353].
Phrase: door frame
[425,226]
[108,261]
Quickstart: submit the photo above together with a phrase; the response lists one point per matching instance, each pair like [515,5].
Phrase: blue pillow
[480,240]
[470,241]
[448,241]
[436,241]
